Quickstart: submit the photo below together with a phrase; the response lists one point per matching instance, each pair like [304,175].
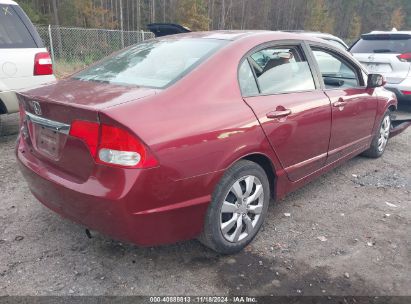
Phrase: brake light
[43,64]
[406,57]
[112,145]
[406,92]
[88,132]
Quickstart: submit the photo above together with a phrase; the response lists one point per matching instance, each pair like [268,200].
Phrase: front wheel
[238,207]
[380,140]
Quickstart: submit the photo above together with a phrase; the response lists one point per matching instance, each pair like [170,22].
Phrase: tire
[380,140]
[244,193]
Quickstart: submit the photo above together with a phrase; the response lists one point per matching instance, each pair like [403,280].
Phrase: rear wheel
[238,208]
[380,140]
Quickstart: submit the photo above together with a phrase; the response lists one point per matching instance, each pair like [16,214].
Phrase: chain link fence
[74,48]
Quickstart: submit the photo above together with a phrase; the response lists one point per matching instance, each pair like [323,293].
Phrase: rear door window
[13,31]
[282,70]
[384,44]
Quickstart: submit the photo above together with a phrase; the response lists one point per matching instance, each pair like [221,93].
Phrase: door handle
[340,103]
[278,114]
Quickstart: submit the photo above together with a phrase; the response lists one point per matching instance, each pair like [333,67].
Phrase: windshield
[155,63]
[384,46]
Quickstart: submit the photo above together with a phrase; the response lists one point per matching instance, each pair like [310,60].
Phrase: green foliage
[192,14]
[319,18]
[34,15]
[345,18]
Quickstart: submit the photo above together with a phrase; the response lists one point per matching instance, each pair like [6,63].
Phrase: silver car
[336,41]
[24,61]
[387,53]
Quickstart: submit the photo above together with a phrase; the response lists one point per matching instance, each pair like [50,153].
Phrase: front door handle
[340,103]
[279,114]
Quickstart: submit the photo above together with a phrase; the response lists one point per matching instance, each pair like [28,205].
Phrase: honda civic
[192,135]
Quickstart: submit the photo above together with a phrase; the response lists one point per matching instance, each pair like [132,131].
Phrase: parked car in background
[24,61]
[165,29]
[387,53]
[334,40]
[190,135]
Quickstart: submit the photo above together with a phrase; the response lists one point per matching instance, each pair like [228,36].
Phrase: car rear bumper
[143,212]
[399,88]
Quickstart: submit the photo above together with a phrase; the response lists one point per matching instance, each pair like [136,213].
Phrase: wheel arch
[268,167]
[392,107]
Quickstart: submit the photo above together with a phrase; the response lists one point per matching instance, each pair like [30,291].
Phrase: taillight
[43,64]
[112,145]
[406,57]
[88,132]
[406,92]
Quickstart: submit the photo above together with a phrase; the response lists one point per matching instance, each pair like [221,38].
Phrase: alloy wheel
[241,209]
[384,133]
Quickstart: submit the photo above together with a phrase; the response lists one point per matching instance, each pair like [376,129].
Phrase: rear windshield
[387,45]
[155,63]
[13,31]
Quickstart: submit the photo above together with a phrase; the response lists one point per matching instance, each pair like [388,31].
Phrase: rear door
[354,106]
[278,84]
[19,43]
[381,53]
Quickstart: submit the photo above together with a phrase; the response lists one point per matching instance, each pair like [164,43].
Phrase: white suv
[389,54]
[24,61]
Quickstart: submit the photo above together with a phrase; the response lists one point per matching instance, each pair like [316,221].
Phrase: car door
[354,106]
[278,84]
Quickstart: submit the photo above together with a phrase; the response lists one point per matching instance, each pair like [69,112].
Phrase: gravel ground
[347,233]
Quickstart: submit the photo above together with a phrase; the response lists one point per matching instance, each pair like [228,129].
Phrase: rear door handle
[278,114]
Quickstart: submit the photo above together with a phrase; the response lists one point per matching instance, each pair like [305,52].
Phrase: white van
[24,61]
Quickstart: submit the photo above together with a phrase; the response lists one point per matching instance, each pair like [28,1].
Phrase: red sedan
[191,135]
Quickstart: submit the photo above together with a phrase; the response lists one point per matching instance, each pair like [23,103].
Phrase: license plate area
[379,67]
[47,141]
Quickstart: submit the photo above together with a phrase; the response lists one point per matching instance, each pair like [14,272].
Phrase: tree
[319,18]
[398,18]
[192,14]
[355,27]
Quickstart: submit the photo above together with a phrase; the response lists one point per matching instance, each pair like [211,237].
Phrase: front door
[293,112]
[354,106]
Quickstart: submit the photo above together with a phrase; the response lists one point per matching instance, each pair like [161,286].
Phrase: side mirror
[375,81]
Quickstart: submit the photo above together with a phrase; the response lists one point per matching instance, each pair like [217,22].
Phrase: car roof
[318,35]
[234,35]
[9,2]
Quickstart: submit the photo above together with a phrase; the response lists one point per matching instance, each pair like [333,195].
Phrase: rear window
[387,44]
[155,63]
[13,31]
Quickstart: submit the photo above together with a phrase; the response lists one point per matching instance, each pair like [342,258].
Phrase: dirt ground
[347,233]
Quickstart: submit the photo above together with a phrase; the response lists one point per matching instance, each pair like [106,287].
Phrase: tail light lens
[88,132]
[406,57]
[43,64]
[112,145]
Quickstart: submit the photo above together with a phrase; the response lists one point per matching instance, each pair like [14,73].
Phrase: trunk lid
[50,112]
